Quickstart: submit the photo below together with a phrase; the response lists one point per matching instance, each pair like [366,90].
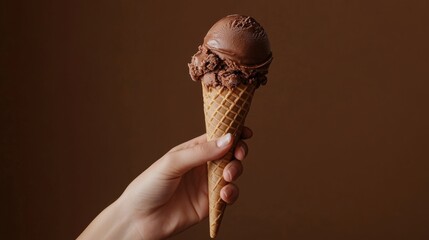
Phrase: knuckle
[174,149]
[168,159]
[200,148]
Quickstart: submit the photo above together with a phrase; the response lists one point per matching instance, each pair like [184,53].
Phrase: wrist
[126,220]
[115,222]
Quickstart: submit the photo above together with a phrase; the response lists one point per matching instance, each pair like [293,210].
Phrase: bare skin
[171,195]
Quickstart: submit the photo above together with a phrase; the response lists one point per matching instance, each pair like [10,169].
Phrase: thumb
[175,164]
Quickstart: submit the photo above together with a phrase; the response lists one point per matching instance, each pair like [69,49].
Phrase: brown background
[92,92]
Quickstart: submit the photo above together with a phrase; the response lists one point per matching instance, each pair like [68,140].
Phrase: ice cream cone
[231,63]
[225,112]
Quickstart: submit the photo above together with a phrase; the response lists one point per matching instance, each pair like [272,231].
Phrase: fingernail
[226,193]
[223,141]
[230,174]
[241,150]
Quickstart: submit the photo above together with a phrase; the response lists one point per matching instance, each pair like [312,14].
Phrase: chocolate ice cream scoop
[235,50]
[240,39]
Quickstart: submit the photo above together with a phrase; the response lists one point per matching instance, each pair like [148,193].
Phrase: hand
[171,195]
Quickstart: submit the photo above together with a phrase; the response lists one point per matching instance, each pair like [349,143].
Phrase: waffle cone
[225,112]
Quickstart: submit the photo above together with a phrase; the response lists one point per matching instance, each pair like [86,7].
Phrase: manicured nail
[223,141]
[226,193]
[241,150]
[232,171]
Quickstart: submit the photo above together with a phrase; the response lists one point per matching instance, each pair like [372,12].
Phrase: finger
[246,133]
[229,193]
[241,150]
[175,164]
[232,171]
[190,143]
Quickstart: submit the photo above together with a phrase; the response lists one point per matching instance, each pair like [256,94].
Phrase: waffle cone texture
[225,111]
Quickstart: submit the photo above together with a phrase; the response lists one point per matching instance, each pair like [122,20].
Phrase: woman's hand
[171,195]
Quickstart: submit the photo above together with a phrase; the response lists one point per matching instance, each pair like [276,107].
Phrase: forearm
[114,222]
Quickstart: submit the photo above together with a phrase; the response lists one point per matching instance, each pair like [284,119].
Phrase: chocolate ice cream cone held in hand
[231,63]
